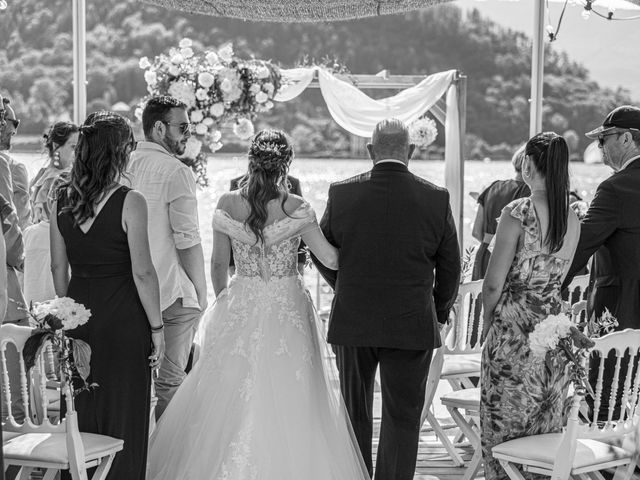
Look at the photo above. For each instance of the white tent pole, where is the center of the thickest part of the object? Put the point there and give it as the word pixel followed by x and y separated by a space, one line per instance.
pixel 537 69
pixel 79 61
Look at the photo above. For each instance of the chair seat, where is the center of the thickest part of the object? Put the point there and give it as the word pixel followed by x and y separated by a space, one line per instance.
pixel 467 399
pixel 52 447
pixel 541 451
pixel 461 365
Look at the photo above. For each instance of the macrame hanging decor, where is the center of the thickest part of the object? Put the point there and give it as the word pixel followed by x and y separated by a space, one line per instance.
pixel 296 10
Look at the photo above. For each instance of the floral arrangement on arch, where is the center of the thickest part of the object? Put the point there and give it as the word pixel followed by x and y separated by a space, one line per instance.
pixel 423 132
pixel 557 335
pixel 218 89
pixel 52 319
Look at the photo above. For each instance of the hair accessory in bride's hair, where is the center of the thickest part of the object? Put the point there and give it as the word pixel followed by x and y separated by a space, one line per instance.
pixel 270 156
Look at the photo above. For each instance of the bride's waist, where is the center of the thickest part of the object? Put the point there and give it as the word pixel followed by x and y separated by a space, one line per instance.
pixel 290 278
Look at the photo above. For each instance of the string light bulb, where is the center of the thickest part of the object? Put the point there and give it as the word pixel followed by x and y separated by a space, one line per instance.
pixel 3 4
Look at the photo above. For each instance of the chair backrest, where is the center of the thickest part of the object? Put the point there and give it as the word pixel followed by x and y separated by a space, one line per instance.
pixel 28 381
pixel 464 336
pixel 578 288
pixel 579 311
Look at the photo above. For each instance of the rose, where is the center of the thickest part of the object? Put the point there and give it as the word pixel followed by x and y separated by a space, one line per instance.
pixel 185 43
pixel 183 92
pixel 214 147
pixel 174 70
pixel 226 53
pixel 254 88
pixel 197 116
pixel 262 72
pixel 177 59
pixel 217 109
pixel 150 77
pixel 206 79
pixel 202 94
pixel 215 135
pixel 138 114
pixel 144 63
pixel 208 121
pixel 186 52
pixel 268 87
pixel 192 148
pixel 261 97
pixel 211 57
pixel 243 128
pixel 201 129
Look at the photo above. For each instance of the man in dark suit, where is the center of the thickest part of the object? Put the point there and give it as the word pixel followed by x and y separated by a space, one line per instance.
pixel 398 278
pixel 294 187
pixel 613 222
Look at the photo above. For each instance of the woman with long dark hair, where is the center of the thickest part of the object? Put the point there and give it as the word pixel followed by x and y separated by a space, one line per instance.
pixel 534 245
pixel 259 403
pixel 99 228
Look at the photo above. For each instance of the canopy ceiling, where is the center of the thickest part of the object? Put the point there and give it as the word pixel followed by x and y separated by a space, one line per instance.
pixel 296 10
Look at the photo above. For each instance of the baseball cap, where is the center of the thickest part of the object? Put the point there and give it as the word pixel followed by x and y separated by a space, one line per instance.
pixel 626 116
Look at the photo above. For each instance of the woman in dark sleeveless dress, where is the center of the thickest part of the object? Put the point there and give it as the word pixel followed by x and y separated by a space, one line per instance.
pixel 100 230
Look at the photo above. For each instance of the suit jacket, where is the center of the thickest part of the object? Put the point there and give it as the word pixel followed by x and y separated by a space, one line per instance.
pixel 613 221
pixel 399 259
pixel 294 187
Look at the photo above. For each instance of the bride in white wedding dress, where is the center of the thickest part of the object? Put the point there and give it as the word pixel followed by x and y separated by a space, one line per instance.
pixel 259 403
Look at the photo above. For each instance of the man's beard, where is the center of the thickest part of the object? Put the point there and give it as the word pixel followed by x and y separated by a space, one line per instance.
pixel 5 144
pixel 175 146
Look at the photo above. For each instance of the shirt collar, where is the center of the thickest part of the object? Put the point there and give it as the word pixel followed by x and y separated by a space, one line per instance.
pixel 390 160
pixel 146 145
pixel 628 162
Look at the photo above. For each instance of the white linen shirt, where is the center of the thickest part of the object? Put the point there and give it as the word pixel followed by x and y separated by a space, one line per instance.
pixel 169 186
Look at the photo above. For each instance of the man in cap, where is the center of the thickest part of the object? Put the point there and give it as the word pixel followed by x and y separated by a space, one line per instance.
pixel 613 222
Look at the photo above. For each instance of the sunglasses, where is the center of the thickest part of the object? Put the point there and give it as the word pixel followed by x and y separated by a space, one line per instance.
pixel 3 114
pixel 603 136
pixel 183 127
pixel 15 121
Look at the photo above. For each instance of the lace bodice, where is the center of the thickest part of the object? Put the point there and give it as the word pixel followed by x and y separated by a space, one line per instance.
pixel 277 256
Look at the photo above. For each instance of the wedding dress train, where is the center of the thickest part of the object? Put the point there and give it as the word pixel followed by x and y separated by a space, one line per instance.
pixel 260 403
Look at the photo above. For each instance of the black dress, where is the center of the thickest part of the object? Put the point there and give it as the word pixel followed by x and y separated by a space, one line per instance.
pixel 118 333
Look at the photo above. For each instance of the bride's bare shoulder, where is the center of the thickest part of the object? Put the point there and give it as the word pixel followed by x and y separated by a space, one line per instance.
pixel 293 202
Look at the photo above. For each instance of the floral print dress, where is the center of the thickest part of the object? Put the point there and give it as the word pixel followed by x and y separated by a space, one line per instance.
pixel 520 397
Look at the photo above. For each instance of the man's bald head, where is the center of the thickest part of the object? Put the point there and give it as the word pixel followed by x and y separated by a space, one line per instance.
pixel 390 140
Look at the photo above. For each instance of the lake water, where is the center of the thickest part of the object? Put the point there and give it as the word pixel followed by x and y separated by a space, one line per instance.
pixel 317 174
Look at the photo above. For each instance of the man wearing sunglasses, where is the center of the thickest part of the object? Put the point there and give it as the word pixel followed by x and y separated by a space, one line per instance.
pixel 613 222
pixel 19 175
pixel 169 187
pixel 6 181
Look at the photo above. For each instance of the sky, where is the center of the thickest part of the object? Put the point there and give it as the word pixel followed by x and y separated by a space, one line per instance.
pixel 609 49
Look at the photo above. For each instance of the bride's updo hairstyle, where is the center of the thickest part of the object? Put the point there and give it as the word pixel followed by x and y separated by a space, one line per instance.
pixel 550 154
pixel 270 155
pixel 101 156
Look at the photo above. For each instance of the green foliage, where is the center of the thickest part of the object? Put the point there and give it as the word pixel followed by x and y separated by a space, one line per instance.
pixel 36 65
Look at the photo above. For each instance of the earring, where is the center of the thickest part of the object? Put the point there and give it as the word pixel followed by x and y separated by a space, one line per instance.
pixel 526 173
pixel 56 159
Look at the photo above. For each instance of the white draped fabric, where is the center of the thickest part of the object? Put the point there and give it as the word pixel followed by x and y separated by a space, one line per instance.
pixel 358 113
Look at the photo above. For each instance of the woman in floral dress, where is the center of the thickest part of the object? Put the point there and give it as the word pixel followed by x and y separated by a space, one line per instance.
pixel 534 245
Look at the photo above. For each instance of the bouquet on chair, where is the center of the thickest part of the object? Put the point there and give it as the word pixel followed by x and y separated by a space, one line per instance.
pixel 52 319
pixel 557 335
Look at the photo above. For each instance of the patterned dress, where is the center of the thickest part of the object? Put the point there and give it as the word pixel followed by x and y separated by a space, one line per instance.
pixel 520 397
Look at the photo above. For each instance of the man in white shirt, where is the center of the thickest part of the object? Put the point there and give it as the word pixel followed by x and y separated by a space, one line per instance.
pixel 169 187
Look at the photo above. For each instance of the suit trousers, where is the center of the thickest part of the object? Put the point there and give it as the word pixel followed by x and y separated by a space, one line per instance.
pixel 180 325
pixel 403 378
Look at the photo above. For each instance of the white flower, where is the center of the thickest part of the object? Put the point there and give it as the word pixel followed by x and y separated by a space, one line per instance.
pixel 208 121
pixel 243 128
pixel 547 334
pixel 174 70
pixel 226 53
pixel 263 72
pixel 144 63
pixel 70 313
pixel 423 132
pixel 202 94
pixel 193 148
pixel 268 87
pixel 186 52
pixel 197 116
pixel 206 79
pixel 217 109
pixel 230 84
pixel 185 43
pixel 262 97
pixel 268 105
pixel 215 135
pixel 177 59
pixel 150 77
pixel 201 129
pixel 211 57
pixel 254 88
pixel 214 147
pixel 183 92
pixel 138 114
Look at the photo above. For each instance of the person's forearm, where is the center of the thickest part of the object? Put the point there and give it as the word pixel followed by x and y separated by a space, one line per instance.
pixel 149 293
pixel 192 260
pixel 219 276
pixel 490 297
pixel 60 275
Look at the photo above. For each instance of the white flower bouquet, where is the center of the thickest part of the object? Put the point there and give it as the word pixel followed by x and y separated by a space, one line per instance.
pixel 423 132
pixel 217 87
pixel 52 319
pixel 557 335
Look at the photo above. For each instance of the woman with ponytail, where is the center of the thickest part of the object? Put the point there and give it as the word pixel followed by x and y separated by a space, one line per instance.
pixel 534 246
pixel 99 229
pixel 259 400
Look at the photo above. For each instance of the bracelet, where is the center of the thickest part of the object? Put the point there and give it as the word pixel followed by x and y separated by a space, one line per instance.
pixel 158 329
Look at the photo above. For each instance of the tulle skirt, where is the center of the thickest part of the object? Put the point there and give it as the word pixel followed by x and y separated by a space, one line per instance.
pixel 263 400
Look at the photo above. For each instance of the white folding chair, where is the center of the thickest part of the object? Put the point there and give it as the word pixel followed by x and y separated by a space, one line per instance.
pixel 44 445
pixel 585 448
pixel 578 285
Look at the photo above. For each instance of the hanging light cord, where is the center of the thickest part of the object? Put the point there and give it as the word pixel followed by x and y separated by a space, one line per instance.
pixel 609 16
pixel 553 34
